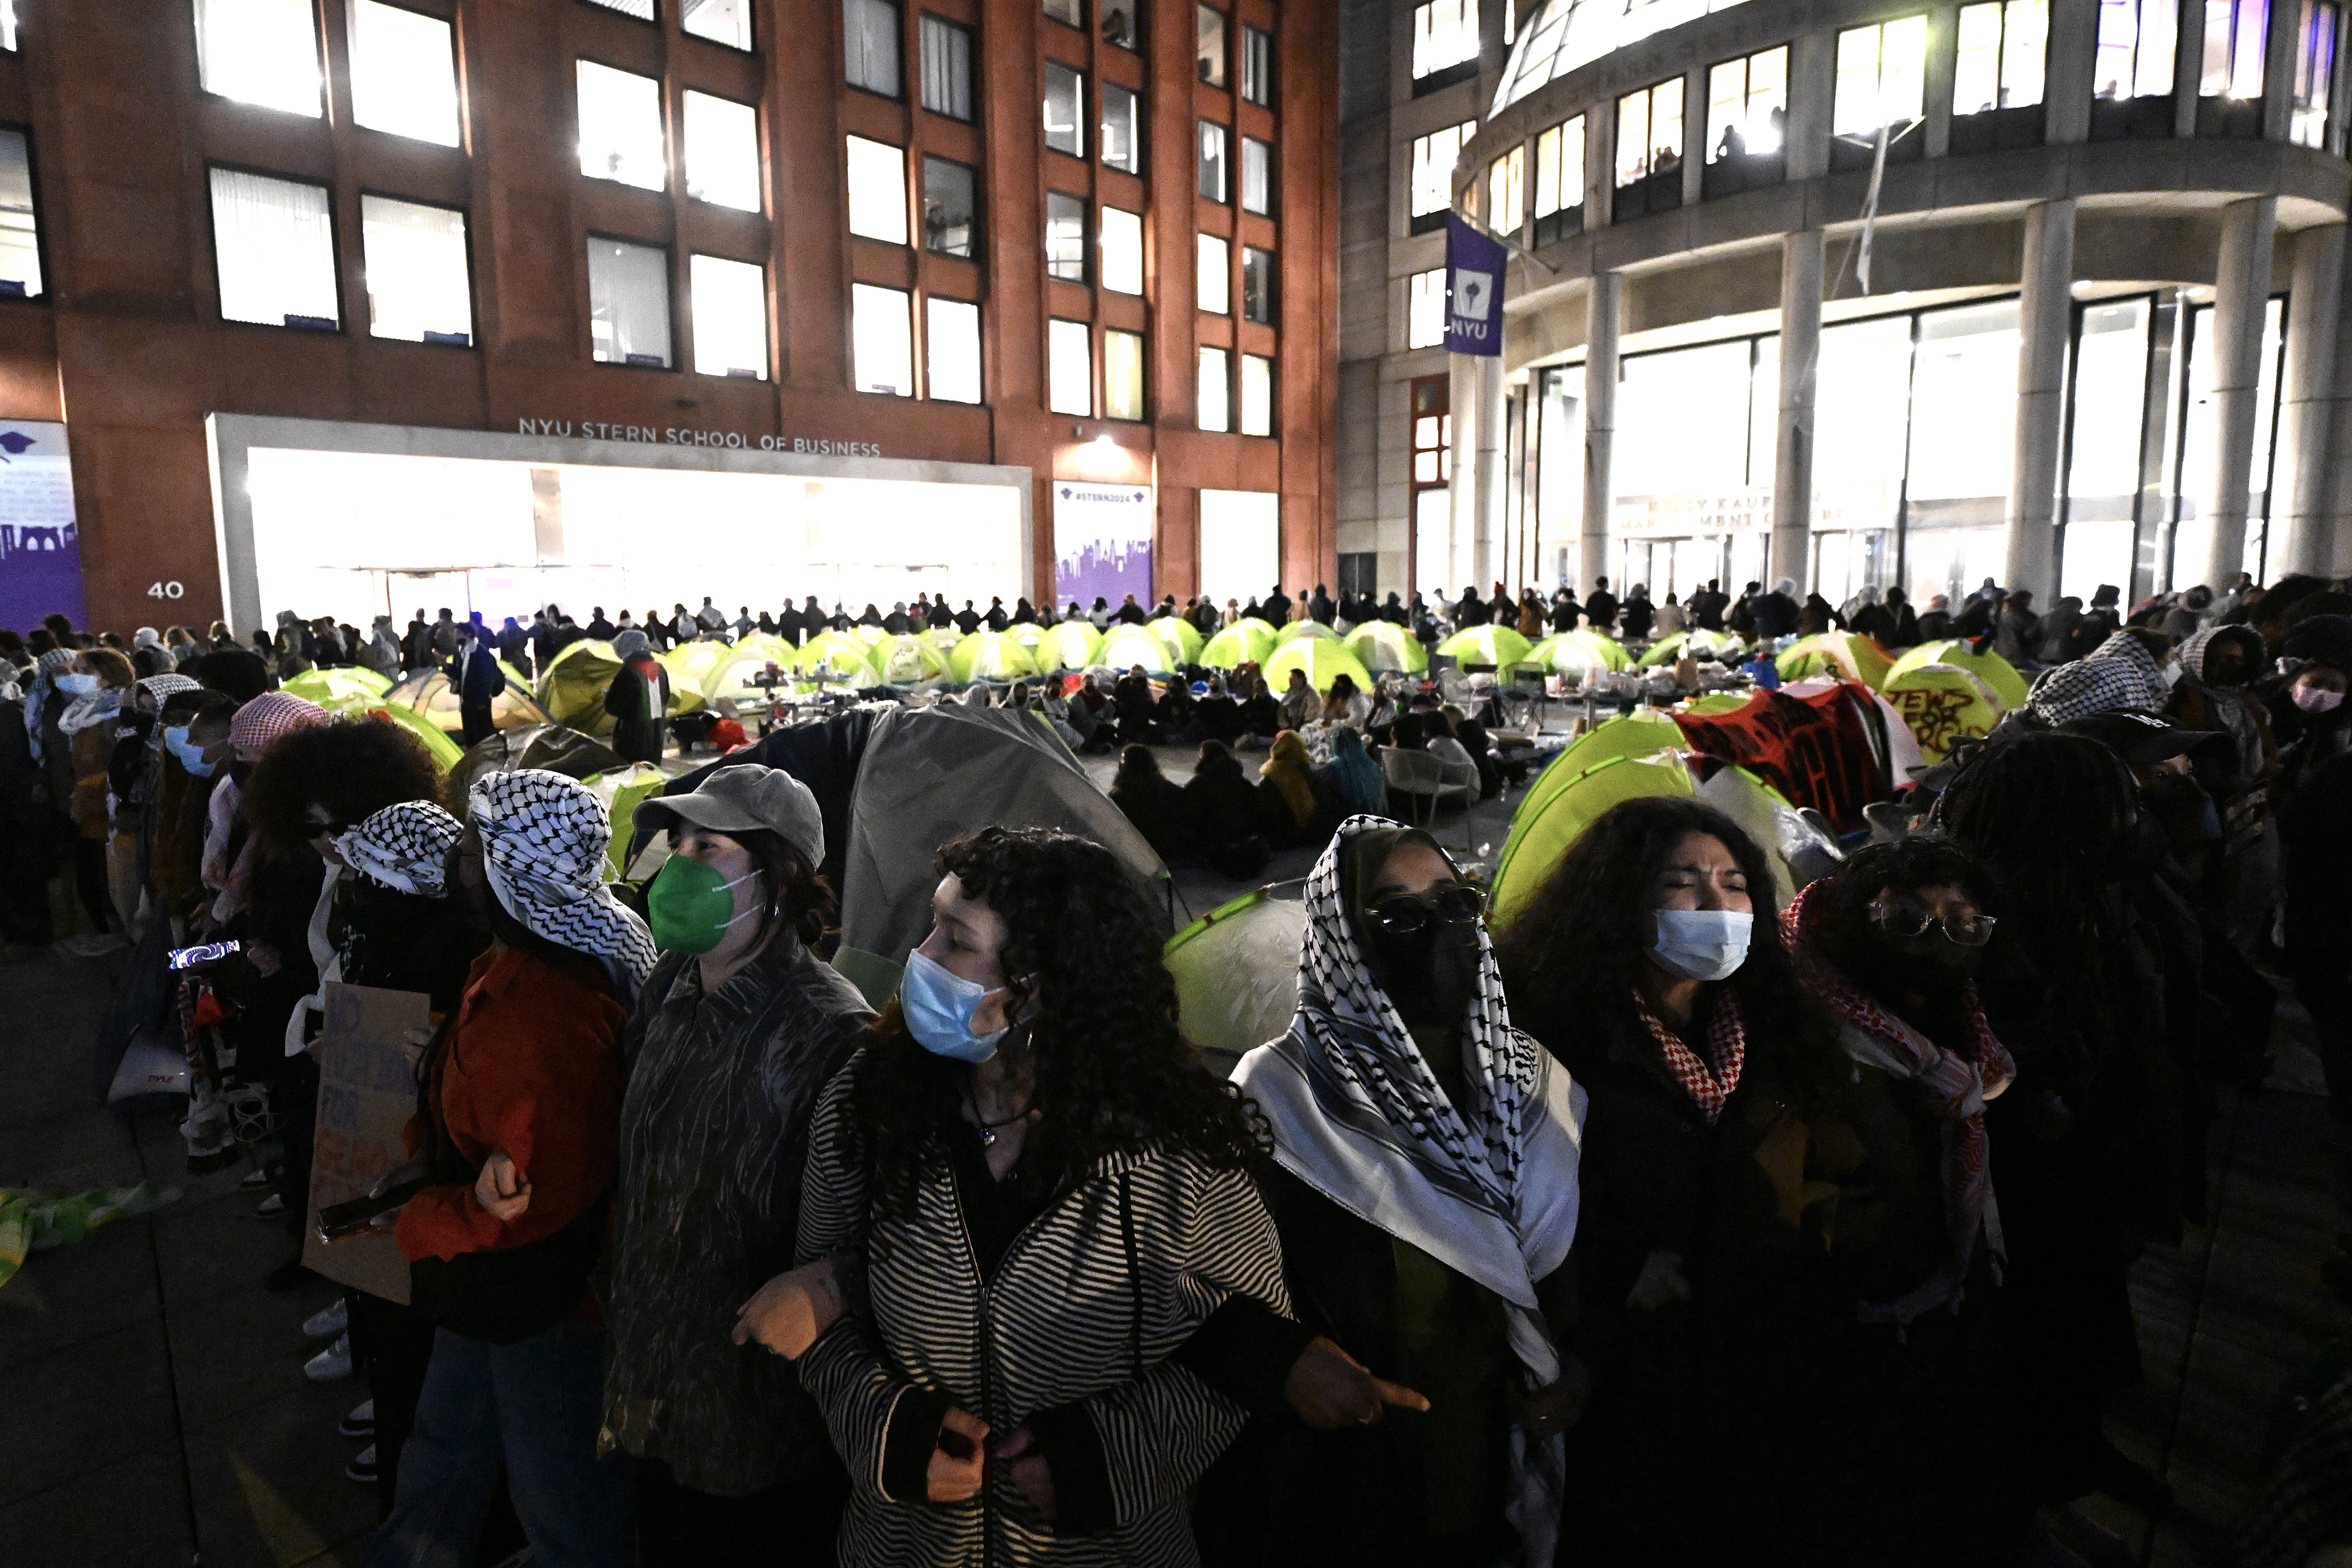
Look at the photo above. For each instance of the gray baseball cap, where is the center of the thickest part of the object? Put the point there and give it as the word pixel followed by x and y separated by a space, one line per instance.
pixel 744 796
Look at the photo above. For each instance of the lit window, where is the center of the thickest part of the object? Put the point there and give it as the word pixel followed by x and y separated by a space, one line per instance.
pixel 263 52
pixel 1070 368
pixel 1118 24
pixel 881 333
pixel 2315 65
pixel 1432 187
pixel 1215 290
pixel 869 42
pixel 1122 251
pixel 1507 191
pixel 1065 12
pixel 1066 236
pixel 2002 46
pixel 1257 395
pixel 1444 36
pixel 1257 176
pixel 731 317
pixel 1258 66
pixel 415 259
pixel 946 68
pixel 1122 129
pixel 621 128
pixel 8 24
pixel 950 207
pixel 1649 131
pixel 1122 376
pixel 952 342
pixel 1424 310
pixel 878 190
pixel 276 249
pixel 1213 180
pixel 727 22
pixel 1746 106
pixel 722 151
pixel 20 246
pixel 2137 42
pixel 628 303
pixel 404 76
pixel 1882 78
pixel 1209 44
pixel 1215 392
pixel 1065 110
pixel 2234 48
pixel 1257 285
pixel 1560 180
pixel 642 10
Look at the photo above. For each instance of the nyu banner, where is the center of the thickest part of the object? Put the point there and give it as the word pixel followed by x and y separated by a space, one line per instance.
pixel 1102 542
pixel 40 550
pixel 1474 284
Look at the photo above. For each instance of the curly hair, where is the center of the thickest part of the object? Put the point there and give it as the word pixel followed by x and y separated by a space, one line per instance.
pixel 353 769
pixel 800 900
pixel 1112 1071
pixel 1571 958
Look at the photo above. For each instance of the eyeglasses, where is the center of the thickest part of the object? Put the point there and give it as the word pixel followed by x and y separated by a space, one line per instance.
pixel 1402 914
pixel 328 829
pixel 1905 922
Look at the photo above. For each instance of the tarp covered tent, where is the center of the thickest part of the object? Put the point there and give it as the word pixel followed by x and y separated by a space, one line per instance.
pixel 1236 972
pixel 1385 647
pixel 928 774
pixel 1499 646
pixel 1849 656
pixel 572 691
pixel 1124 648
pixel 1070 645
pixel 1323 659
pixel 428 693
pixel 1247 641
pixel 2000 676
pixel 553 747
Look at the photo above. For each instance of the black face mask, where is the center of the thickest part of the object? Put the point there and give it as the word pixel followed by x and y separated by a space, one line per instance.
pixel 1431 974
pixel 240 770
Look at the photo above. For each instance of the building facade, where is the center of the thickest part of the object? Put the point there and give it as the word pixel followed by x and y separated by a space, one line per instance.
pixel 344 306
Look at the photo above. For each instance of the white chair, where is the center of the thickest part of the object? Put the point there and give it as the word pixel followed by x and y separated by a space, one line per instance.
pixel 1424 781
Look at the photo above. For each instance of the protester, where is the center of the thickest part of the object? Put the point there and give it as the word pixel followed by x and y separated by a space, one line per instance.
pixel 1296 812
pixel 1351 778
pixel 639 700
pixel 90 694
pixel 473 673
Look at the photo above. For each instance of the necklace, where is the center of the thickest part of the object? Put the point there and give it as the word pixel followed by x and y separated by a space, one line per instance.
pixel 987 1128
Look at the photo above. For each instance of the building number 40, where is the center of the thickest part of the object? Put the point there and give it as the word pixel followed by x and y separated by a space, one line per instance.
pixel 164 590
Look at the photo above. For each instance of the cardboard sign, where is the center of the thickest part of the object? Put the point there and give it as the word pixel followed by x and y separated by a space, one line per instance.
pixel 367 1092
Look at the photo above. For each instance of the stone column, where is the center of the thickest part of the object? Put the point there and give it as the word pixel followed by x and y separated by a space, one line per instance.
pixel 1491 437
pixel 2045 322
pixel 2240 288
pixel 1792 447
pixel 2067 86
pixel 1604 308
pixel 2300 530
pixel 1461 485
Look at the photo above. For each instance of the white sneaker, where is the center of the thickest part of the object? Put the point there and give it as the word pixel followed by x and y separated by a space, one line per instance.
pixel 361 1422
pixel 327 1321
pixel 332 1364
pixel 363 1466
pixel 272 1207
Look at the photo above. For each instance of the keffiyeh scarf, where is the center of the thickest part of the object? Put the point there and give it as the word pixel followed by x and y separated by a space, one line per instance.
pixel 1709 1083
pixel 404 847
pixel 1489 1188
pixel 269 715
pixel 46 670
pixel 543 841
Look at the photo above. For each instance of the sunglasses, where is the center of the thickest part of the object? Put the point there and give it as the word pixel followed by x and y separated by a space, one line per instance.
pixel 1906 922
pixel 1403 914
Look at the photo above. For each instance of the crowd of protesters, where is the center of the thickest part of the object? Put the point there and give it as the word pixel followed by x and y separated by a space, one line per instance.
pixel 1668 1225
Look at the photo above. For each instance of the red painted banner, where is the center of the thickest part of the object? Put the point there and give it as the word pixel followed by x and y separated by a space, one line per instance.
pixel 1816 750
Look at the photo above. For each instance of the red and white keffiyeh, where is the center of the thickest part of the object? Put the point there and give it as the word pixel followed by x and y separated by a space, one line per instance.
pixel 270 715
pixel 1709 1083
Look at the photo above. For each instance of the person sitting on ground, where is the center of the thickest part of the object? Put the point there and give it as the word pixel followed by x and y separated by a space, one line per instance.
pixel 1351 777
pixel 1346 703
pixel 1300 703
pixel 1137 703
pixel 1159 808
pixel 1261 714
pixel 1298 811
pixel 1177 712
pixel 1218 715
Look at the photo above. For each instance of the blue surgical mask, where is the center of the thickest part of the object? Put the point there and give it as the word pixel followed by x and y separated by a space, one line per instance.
pixel 192 756
pixel 1702 944
pixel 938 1008
pixel 73 683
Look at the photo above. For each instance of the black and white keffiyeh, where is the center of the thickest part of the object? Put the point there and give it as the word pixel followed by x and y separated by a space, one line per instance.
pixel 404 847
pixel 2065 693
pixel 543 841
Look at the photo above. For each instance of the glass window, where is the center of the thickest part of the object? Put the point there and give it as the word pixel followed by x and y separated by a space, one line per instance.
pixel 1216 392
pixel 1122 251
pixel 1431 181
pixel 7 25
pixel 1067 12
pixel 404 76
pixel 1506 192
pixel 1122 376
pixel 731 317
pixel 950 207
pixel 1258 66
pixel 1445 33
pixel 1425 310
pixel 1065 110
pixel 2315 67
pixel 275 245
pixel 881 334
pixel 722 151
pixel 1257 176
pixel 1118 24
pixel 1070 368
pixel 2107 406
pixel 628 302
pixel 1862 380
pixel 1122 128
pixel 415 256
pixel 1962 446
pixel 952 340
pixel 1559 178
pixel 1209 44
pixel 2199 442
pixel 869 41
pixel 1257 285
pixel 2234 48
pixel 878 190
pixel 621 128
pixel 1213 178
pixel 2002 46
pixel 1747 105
pixel 1066 236
pixel 727 22
pixel 2137 40
pixel 262 52
pixel 1649 131
pixel 1213 289
pixel 1882 77
pixel 946 68
pixel 20 245
pixel 1257 395
pixel 642 10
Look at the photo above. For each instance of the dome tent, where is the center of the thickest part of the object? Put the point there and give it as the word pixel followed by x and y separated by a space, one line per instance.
pixel 1183 639
pixel 1323 659
pixel 1499 646
pixel 1385 647
pixel 992 655
pixel 1999 676
pixel 1124 648
pixel 1247 641
pixel 1236 972
pixel 1071 644
pixel 428 694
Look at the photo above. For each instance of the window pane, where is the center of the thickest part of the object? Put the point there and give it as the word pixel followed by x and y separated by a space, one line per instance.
pixel 642 10
pixel 1122 251
pixel 946 68
pixel 1209 37
pixel 953 342
pixel 1118 24
pixel 1065 110
pixel 1065 12
pixel 878 190
pixel 628 302
pixel 20 251
pixel 1432 166
pixel 1122 128
pixel 2024 48
pixel 1258 66
pixel 403 78
pixel 621 128
pixel 1213 160
pixel 2104 447
pixel 722 151
pixel 731 317
pixel 277 250
pixel 725 22
pixel 2315 69
pixel 1445 33
pixel 1902 70
pixel 1425 315
pixel 1215 396
pixel 8 24
pixel 1070 368
pixel 1507 191
pixel 1257 176
pixel 1632 137
pixel 1122 376
pixel 415 262
pixel 951 210
pixel 1066 236
pixel 1976 81
pixel 1257 395
pixel 881 331
pixel 1257 285
pixel 260 51
pixel 1214 289
pixel 869 41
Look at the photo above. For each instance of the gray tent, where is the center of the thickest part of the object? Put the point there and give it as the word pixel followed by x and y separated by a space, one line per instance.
pixel 930 774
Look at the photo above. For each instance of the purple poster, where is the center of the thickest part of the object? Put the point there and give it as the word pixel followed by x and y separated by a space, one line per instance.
pixel 1102 542
pixel 40 550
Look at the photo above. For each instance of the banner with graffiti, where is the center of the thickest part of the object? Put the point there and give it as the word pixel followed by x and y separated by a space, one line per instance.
pixel 1816 750
pixel 40 547
pixel 1943 705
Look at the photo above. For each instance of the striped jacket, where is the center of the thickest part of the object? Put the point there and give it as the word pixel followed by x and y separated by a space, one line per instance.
pixel 1082 1313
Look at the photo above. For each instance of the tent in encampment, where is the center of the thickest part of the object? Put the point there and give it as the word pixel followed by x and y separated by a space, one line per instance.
pixel 1385 647
pixel 1184 639
pixel 428 693
pixel 1495 646
pixel 1849 656
pixel 1069 644
pixel 1323 659
pixel 345 683
pixel 571 690
pixel 553 747
pixel 1247 641
pixel 1236 972
pixel 1999 676
pixel 992 655
pixel 1124 648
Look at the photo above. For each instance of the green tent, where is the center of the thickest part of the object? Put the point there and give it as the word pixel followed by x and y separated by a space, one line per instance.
pixel 572 691
pixel 1723 646
pixel 1548 821
pixel 1247 641
pixel 1124 648
pixel 428 693
pixel 689 666
pixel 1500 647
pixel 1071 644
pixel 444 748
pixel 867 633
pixel 1184 639
pixel 1236 971
pixel 992 655
pixel 1385 647
pixel 907 661
pixel 1323 659
pixel 621 790
pixel 328 686
pixel 2000 676
pixel 735 678
pixel 839 656
pixel 1849 656
pixel 1577 653
pixel 1306 628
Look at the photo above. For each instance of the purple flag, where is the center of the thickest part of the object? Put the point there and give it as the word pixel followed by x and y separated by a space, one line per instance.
pixel 1474 285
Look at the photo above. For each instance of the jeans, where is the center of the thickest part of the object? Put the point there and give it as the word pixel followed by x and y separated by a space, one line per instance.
pixel 534 1407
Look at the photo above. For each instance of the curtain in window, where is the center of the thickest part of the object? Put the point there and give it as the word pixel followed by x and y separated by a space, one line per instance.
pixel 628 302
pixel 276 248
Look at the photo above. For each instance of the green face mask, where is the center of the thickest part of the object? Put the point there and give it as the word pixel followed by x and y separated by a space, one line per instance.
pixel 689 907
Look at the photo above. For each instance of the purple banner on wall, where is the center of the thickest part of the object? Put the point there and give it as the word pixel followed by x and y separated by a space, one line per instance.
pixel 1474 272
pixel 40 548
pixel 1102 542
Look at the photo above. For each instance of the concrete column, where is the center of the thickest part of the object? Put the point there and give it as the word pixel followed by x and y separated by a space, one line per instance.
pixel 1492 438
pixel 1792 447
pixel 2045 322
pixel 1603 311
pixel 1695 146
pixel 2299 501
pixel 1943 65
pixel 2187 69
pixel 1461 485
pixel 2278 69
pixel 1812 79
pixel 2073 57
pixel 2240 288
